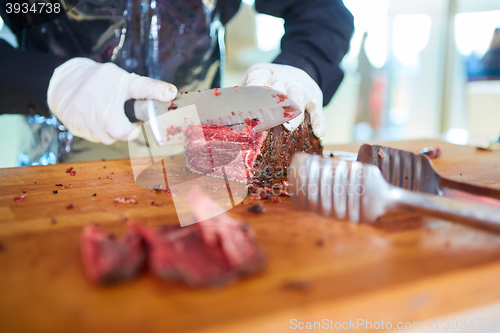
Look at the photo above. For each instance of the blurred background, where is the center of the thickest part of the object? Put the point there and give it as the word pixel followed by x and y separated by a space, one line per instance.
pixel 416 69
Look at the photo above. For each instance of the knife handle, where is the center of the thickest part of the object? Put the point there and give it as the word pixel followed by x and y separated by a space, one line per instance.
pixel 136 110
pixel 130 111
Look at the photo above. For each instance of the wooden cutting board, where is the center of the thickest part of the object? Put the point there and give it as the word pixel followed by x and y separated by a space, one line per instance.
pixel 406 268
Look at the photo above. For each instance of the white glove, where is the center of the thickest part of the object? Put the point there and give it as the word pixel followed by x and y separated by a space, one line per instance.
pixel 88 97
pixel 297 85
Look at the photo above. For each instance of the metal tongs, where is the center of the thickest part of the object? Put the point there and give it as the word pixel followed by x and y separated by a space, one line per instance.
pixel 415 172
pixel 357 192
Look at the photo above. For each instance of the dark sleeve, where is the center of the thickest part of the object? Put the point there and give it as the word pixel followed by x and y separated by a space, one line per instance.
pixel 317 36
pixel 24 79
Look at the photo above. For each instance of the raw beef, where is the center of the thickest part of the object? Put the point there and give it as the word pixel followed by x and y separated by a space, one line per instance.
pixel 288 111
pixel 208 253
pixel 108 259
pixel 215 150
pixel 235 239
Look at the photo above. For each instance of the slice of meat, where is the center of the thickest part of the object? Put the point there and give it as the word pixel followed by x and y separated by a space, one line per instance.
pixel 219 150
pixel 179 254
pixel 209 253
pixel 108 259
pixel 265 156
pixel 236 239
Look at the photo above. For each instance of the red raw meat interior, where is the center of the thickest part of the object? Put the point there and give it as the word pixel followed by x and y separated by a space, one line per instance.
pixel 288 111
pixel 208 253
pixel 211 147
pixel 280 97
pixel 265 156
pixel 107 259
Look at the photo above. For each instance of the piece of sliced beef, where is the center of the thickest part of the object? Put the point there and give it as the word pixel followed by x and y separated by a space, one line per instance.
pixel 236 239
pixel 215 150
pixel 264 156
pixel 208 253
pixel 109 259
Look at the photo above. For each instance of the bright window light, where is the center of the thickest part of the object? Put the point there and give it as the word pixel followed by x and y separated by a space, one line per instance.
pixel 458 136
pixel 270 29
pixel 473 31
pixel 1 23
pixel 410 37
pixel 376 44
pixel 399 116
pixel 369 16
pixel 249 2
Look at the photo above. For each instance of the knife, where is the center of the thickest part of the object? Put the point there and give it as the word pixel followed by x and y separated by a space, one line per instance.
pixel 224 106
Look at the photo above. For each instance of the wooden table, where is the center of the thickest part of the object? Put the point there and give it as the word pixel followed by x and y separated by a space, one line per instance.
pixel 406 268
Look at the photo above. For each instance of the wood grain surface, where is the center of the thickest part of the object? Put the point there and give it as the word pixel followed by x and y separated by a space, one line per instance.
pixel 405 268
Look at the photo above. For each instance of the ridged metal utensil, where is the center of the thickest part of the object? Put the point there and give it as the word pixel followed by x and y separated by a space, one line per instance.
pixel 415 172
pixel 357 192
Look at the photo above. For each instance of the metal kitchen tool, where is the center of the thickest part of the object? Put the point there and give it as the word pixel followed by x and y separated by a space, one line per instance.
pixel 225 106
pixel 357 192
pixel 415 172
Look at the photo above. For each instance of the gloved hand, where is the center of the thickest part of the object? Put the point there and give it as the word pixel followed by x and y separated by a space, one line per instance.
pixel 297 85
pixel 88 97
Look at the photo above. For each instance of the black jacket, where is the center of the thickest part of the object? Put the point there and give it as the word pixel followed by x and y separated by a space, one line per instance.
pixel 317 36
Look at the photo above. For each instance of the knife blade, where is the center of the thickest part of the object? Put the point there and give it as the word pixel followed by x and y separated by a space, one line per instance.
pixel 224 106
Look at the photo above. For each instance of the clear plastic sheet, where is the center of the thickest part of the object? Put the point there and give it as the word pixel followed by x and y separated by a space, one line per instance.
pixel 48 144
pixel 164 168
pixel 177 41
pixel 171 40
